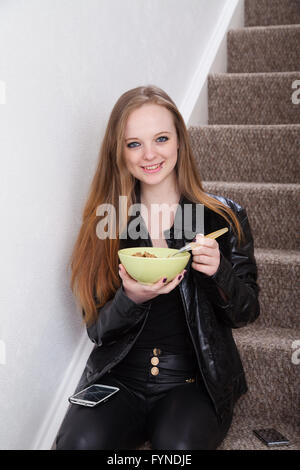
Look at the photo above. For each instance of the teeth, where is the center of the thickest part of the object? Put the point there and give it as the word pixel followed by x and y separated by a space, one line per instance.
pixel 151 167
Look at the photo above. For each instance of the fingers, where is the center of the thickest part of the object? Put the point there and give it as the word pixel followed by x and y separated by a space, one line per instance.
pixel 205 242
pixel 168 286
pixel 122 271
pixel 161 286
pixel 207 269
pixel 203 259
pixel 207 247
pixel 124 274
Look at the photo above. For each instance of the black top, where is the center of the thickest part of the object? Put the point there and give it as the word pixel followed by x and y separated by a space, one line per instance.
pixel 166 325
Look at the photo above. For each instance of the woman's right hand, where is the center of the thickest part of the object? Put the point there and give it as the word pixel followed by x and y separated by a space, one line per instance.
pixel 140 293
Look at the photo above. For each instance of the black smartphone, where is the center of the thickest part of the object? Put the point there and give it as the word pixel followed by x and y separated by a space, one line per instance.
pixel 271 437
pixel 93 395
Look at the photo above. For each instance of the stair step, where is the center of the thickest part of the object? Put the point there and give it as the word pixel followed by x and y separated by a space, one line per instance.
pixel 278 279
pixel 264 49
pixel 268 206
pixel 257 98
pixel 266 354
pixel 241 437
pixel 247 153
pixel 271 12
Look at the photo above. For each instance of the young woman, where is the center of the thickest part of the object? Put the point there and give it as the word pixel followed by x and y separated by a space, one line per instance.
pixel 167 346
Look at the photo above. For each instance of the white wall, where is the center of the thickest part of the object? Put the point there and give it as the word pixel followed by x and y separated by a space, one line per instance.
pixel 213 60
pixel 63 64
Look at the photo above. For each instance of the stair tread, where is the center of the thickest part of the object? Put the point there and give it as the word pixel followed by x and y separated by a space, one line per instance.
pixel 276 27
pixel 240 435
pixel 271 12
pixel 248 77
pixel 266 337
pixel 267 153
pixel 263 49
pixel 277 255
pixel 245 185
pixel 264 203
pixel 259 127
pixel 269 356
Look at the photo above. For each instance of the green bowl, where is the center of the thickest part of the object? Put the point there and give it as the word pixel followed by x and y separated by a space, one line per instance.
pixel 150 270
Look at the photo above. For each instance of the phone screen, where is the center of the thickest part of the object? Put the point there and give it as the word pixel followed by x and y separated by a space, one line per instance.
pixel 93 394
pixel 271 436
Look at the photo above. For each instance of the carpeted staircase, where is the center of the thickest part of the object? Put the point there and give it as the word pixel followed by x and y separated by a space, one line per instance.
pixel 249 152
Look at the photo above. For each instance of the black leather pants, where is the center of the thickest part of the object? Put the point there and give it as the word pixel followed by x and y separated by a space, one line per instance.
pixel 161 399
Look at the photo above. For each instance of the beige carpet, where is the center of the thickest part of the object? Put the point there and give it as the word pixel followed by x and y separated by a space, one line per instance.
pixel 249 152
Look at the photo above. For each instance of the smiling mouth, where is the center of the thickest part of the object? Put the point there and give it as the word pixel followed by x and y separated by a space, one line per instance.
pixel 153 167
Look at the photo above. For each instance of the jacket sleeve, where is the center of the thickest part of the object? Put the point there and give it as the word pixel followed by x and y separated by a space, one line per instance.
pixel 237 279
pixel 116 317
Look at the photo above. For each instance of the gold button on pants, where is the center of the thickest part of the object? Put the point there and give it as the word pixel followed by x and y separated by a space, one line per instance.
pixel 156 351
pixel 154 370
pixel 154 361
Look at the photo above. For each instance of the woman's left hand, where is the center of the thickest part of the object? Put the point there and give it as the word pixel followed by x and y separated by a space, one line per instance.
pixel 206 257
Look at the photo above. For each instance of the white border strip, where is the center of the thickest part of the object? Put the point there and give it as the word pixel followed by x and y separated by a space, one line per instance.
pixel 2 92
pixel 50 426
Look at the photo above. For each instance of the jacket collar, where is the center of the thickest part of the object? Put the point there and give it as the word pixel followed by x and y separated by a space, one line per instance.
pixel 188 220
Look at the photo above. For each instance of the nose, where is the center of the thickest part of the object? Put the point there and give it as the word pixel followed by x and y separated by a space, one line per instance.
pixel 149 152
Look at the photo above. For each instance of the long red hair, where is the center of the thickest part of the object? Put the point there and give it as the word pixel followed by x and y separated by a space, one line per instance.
pixel 94 261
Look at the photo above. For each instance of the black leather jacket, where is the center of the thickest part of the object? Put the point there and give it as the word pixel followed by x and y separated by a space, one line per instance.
pixel 209 318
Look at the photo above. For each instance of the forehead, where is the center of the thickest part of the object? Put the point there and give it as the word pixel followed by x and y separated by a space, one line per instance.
pixel 149 119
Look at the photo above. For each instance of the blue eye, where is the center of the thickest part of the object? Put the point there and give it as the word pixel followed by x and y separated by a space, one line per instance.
pixel 130 145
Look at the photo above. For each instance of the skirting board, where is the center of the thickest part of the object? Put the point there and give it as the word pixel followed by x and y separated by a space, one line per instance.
pixel 53 419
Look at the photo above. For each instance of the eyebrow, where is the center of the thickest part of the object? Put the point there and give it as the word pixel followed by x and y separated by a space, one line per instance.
pixel 162 132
